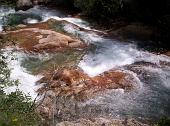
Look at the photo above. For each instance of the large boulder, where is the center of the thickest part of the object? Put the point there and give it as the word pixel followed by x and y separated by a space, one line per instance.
pixel 35 2
pixel 69 3
pixel 71 87
pixel 24 4
pixel 75 83
pixel 40 40
pixel 46 36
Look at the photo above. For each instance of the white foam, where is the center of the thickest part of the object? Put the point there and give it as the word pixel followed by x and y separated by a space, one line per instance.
pixel 31 21
pixel 162 73
pixel 102 66
pixel 1 28
pixel 79 22
pixel 3 12
pixel 27 80
pixel 47 14
pixel 108 56
pixel 111 54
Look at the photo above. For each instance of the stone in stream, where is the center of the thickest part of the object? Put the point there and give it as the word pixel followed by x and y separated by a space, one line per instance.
pixel 102 122
pixel 42 37
pixel 75 83
pixel 71 87
pixel 24 4
pixel 134 31
pixel 38 40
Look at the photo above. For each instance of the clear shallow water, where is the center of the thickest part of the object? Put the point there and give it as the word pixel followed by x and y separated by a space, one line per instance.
pixel 150 100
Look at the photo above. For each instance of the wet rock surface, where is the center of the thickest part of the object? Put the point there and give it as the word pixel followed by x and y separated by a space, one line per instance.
pixel 71 97
pixel 46 36
pixel 134 31
pixel 69 89
pixel 65 111
pixel 102 122
pixel 37 40
pixel 76 84
pixel 24 4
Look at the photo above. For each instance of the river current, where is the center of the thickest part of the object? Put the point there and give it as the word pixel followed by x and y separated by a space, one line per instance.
pixel 151 98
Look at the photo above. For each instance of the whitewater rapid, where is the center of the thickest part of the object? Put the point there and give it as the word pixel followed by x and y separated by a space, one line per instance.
pixel 27 81
pixel 152 97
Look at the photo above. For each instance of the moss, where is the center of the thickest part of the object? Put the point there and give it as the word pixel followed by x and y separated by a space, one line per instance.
pixel 11 3
pixel 57 26
pixel 16 19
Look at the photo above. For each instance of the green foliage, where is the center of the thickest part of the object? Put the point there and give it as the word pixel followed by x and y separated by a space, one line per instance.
pixel 100 8
pixel 68 3
pixel 5 74
pixel 146 10
pixel 16 109
pixel 163 122
pixel 163 29
pixel 16 19
pixel 11 3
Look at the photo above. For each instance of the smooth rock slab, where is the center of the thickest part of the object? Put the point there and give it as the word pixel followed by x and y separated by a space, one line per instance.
pixel 38 40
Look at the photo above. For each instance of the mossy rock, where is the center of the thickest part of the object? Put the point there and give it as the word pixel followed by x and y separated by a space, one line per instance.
pixel 18 18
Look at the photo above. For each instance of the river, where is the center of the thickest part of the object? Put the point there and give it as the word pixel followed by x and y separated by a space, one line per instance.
pixel 151 98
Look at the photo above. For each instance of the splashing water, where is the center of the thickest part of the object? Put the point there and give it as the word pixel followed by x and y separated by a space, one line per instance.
pixel 150 100
pixel 3 12
pixel 26 80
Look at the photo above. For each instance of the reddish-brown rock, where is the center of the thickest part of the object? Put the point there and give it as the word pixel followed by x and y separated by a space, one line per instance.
pixel 35 39
pixel 73 82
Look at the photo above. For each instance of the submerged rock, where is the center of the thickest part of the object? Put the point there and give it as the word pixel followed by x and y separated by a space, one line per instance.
pixel 41 63
pixel 24 4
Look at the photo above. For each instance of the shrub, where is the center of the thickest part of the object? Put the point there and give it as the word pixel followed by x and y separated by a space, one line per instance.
pixel 8 2
pixel 163 122
pixel 100 8
pixel 16 109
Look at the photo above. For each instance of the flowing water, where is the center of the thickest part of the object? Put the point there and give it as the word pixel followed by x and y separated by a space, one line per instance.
pixel 151 100
pixel 26 80
pixel 3 12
